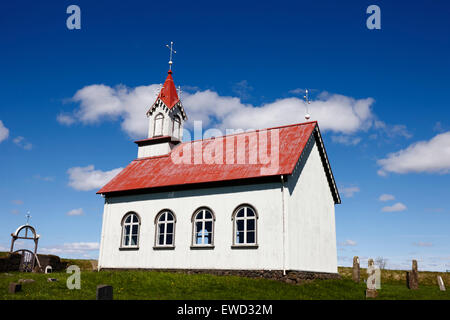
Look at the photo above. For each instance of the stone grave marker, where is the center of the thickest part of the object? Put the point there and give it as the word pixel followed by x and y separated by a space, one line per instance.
pixel 441 283
pixel 371 291
pixel 104 292
pixel 356 270
pixel 412 277
pixel 14 287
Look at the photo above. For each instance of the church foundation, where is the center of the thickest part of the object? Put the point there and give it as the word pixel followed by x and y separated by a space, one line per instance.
pixel 291 276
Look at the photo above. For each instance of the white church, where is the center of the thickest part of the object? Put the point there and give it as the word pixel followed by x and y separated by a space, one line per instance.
pixel 257 202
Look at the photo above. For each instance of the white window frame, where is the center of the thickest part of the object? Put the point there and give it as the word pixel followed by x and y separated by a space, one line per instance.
pixel 245 218
pixel 130 235
pixel 176 127
pixel 158 117
pixel 165 223
pixel 203 220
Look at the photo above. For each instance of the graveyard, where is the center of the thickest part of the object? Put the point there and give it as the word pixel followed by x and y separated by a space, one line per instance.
pixel 154 285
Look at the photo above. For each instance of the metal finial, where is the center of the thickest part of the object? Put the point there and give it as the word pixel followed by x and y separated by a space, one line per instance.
pixel 306 97
pixel 28 216
pixel 171 52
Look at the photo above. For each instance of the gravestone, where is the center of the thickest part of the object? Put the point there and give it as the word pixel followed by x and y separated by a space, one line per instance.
pixel 412 277
pixel 26 281
pixel 356 270
pixel 14 287
pixel 441 283
pixel 104 292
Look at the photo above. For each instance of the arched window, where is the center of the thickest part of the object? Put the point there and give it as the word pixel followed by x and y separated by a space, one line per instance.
pixel 130 230
pixel 165 229
pixel 203 228
pixel 158 127
pixel 176 127
pixel 245 226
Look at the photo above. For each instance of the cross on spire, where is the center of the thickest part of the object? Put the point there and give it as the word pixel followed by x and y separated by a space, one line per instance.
pixel 171 52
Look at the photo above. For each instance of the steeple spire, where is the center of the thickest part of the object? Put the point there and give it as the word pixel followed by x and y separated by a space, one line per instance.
pixel 168 93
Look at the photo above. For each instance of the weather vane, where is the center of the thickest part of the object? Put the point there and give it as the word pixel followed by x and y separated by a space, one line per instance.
pixel 28 217
pixel 306 97
pixel 171 52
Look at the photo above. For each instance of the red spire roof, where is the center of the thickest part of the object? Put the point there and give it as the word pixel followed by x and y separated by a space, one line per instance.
pixel 168 92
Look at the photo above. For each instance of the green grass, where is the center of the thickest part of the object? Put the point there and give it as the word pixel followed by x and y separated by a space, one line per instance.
pixel 165 285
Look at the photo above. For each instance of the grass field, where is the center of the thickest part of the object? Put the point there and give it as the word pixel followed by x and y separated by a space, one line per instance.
pixel 164 285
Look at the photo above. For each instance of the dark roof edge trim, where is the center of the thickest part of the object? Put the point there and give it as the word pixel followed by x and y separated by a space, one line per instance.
pixel 326 165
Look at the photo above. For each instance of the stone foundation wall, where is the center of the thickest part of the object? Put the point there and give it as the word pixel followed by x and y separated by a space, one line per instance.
pixel 291 276
pixel 51 260
pixel 11 262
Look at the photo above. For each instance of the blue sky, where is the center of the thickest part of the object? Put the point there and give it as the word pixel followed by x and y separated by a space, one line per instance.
pixel 74 100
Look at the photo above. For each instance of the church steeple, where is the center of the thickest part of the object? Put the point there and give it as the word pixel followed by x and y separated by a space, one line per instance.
pixel 166 115
pixel 166 118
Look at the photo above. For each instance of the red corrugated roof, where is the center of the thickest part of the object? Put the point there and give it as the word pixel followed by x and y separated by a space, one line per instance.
pixel 161 171
pixel 168 92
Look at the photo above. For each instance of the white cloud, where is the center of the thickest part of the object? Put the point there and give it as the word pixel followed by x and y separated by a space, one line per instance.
pixel 65 119
pixel 100 102
pixel 76 212
pixel 4 132
pixel 422 244
pixel 47 179
pixel 338 113
pixel 347 140
pixel 394 208
pixel 431 156
pixel 87 178
pixel 298 91
pixel 392 130
pixel 348 192
pixel 348 243
pixel 242 89
pixel 74 249
pixel 21 142
pixel 386 197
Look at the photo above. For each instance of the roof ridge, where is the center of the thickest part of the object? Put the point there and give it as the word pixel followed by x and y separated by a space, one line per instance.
pixel 253 130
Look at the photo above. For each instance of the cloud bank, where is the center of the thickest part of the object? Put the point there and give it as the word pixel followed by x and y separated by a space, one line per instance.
pixel 386 197
pixel 87 178
pixel 431 156
pixel 337 113
pixel 394 208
